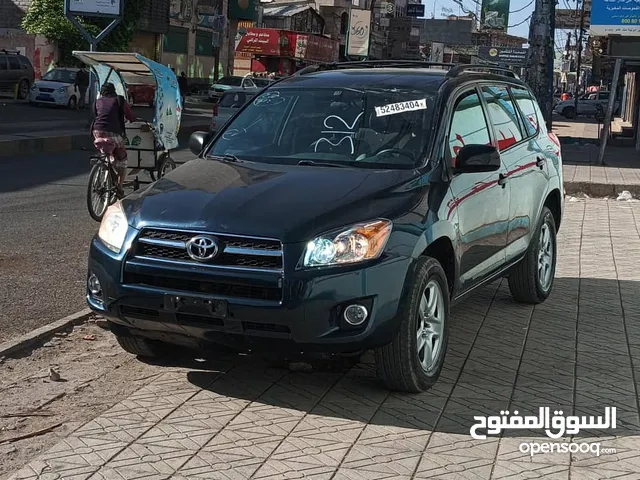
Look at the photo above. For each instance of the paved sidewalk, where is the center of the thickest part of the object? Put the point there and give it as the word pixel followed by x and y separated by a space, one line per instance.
pixel 579 352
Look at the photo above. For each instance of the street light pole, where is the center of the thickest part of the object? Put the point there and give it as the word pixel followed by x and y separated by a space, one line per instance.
pixel 579 61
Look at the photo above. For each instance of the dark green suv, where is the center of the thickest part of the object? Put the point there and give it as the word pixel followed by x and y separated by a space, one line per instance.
pixel 16 71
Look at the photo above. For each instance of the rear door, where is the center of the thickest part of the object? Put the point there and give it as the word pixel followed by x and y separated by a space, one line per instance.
pixel 527 169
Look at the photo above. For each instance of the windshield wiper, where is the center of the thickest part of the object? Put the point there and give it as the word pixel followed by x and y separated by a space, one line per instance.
pixel 322 164
pixel 228 157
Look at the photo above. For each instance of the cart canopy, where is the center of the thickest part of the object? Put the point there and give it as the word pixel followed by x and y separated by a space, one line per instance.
pixel 114 67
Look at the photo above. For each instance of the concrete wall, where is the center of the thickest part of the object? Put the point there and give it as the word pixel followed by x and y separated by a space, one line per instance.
pixel 12 11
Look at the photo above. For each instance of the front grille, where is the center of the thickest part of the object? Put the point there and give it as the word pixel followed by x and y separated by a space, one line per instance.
pixel 46 90
pixel 236 251
pixel 226 288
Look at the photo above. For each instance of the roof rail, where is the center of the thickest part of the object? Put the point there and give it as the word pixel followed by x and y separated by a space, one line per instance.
pixel 460 69
pixel 15 52
pixel 373 64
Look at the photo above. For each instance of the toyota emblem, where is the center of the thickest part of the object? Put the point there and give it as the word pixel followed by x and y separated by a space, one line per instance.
pixel 202 248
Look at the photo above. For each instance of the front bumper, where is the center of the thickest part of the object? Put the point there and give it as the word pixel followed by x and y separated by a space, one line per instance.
pixel 48 99
pixel 306 318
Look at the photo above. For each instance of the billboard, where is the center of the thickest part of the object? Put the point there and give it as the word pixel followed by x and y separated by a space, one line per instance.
pixel 511 56
pixel 495 14
pixel 111 8
pixel 415 10
pixel 614 17
pixel 437 53
pixel 359 32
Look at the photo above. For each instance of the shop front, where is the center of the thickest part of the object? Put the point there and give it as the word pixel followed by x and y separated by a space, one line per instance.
pixel 283 52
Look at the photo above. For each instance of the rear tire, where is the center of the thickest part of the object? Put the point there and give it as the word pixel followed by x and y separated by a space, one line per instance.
pixel 403 364
pixel 166 165
pixel 140 346
pixel 569 113
pixel 100 177
pixel 531 280
pixel 23 89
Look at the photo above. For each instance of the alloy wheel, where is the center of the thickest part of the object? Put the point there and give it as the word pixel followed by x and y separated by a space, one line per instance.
pixel 431 318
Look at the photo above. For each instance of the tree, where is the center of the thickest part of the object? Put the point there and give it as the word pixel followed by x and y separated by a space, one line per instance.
pixel 46 17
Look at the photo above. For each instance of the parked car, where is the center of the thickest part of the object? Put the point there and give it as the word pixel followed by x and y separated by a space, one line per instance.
pixel 340 210
pixel 16 70
pixel 57 88
pixel 230 82
pixel 587 104
pixel 230 102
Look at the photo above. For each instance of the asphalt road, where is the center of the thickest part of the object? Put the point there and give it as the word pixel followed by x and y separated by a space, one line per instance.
pixel 45 231
pixel 21 118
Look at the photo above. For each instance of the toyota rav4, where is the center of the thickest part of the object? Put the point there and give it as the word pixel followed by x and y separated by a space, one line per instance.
pixel 342 209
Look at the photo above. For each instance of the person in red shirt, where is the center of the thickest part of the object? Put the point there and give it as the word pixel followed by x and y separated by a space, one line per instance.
pixel 109 130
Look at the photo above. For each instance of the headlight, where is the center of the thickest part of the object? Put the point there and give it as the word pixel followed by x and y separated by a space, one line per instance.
pixel 360 242
pixel 62 89
pixel 113 228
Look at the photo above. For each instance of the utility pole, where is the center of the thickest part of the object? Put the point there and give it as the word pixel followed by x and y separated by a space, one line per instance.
pixel 539 73
pixel 579 60
pixel 372 7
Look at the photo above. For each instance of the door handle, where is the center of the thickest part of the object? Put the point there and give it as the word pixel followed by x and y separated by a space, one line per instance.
pixel 540 161
pixel 502 180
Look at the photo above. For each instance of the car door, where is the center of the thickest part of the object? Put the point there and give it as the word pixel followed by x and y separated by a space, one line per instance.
pixel 248 84
pixel 480 201
pixel 513 115
pixel 15 70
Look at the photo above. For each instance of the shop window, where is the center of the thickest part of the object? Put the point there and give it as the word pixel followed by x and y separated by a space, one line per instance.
pixel 204 44
pixel 176 40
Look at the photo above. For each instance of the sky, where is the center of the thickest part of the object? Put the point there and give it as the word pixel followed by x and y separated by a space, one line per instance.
pixel 520 13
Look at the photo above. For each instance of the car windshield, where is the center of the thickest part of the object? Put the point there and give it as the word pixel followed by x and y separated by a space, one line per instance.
pixel 60 75
pixel 231 81
pixel 368 128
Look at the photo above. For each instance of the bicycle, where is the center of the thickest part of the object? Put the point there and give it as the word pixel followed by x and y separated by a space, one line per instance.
pixel 103 190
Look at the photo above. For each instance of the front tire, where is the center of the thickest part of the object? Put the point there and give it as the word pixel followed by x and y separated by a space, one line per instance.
pixel 140 346
pixel 569 113
pixel 100 191
pixel 532 278
pixel 412 362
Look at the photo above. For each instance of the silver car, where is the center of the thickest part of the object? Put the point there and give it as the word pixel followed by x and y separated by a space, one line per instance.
pixel 228 105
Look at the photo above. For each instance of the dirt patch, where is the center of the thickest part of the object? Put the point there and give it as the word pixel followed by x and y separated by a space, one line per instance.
pixel 59 387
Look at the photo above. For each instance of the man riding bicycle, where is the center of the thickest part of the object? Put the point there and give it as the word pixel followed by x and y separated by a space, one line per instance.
pixel 108 128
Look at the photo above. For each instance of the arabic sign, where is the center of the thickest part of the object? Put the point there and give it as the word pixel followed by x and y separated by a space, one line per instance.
pixel 112 8
pixel 415 10
pixel 570 425
pixel 615 17
pixel 358 39
pixel 511 56
pixel 495 14
pixel 260 41
pixel 320 49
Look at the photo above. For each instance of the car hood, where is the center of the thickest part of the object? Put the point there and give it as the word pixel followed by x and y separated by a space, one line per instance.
pixel 291 203
pixel 54 85
pixel 222 87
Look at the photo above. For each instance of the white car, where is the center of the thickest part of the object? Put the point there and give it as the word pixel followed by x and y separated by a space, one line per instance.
pixel 56 88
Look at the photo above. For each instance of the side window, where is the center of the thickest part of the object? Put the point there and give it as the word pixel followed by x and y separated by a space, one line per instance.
pixel 468 124
pixel 25 62
pixel 14 63
pixel 249 83
pixel 3 63
pixel 503 115
pixel 604 95
pixel 528 109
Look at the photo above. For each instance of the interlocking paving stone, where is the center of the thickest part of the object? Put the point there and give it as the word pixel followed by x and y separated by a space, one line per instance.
pixel 578 352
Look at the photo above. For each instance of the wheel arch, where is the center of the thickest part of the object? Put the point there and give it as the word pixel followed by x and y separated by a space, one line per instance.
pixel 553 202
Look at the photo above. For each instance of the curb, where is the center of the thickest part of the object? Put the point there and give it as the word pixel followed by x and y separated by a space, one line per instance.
pixel 36 336
pixel 600 190
pixel 64 143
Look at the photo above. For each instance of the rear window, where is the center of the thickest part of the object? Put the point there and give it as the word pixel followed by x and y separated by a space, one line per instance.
pixel 236 99
pixel 231 81
pixel 366 127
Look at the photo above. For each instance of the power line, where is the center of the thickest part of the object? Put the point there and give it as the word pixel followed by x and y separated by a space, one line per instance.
pixel 525 7
pixel 518 24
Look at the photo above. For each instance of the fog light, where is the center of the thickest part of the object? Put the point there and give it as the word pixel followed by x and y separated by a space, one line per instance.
pixel 93 284
pixel 355 314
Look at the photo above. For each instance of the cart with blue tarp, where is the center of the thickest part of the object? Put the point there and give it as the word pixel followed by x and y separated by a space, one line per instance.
pixel 149 144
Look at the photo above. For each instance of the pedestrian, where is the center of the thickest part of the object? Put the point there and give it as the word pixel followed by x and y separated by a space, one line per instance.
pixel 81 85
pixel 183 83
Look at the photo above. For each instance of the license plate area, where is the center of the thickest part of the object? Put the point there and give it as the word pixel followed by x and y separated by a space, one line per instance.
pixel 196 305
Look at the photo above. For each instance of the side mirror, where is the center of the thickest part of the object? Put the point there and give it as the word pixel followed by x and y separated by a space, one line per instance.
pixel 197 142
pixel 477 159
